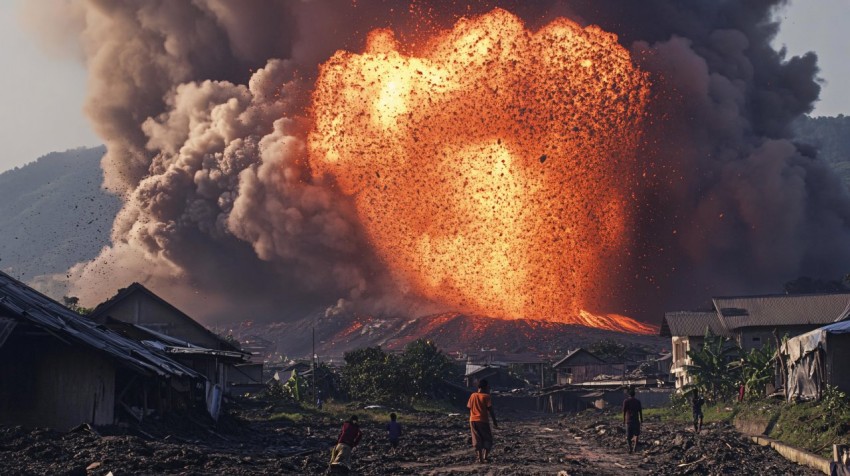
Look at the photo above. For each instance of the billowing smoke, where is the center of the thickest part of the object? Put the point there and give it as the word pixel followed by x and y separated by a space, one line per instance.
pixel 204 108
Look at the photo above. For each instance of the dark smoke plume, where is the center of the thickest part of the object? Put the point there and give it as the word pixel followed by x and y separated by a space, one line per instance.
pixel 203 107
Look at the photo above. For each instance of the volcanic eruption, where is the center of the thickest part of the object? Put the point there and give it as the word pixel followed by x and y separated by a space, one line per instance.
pixel 484 167
pixel 572 161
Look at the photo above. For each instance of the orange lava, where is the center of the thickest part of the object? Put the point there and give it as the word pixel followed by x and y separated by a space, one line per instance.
pixel 489 167
pixel 614 322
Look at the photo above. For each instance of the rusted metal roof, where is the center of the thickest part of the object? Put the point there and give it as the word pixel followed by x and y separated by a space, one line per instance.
pixel 692 324
pixel 782 310
pixel 24 304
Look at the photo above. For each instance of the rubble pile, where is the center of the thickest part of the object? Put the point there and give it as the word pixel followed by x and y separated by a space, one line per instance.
pixel 675 449
pixel 88 451
pixel 257 442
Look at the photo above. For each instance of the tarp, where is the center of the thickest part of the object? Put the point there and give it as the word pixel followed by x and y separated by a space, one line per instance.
pixel 213 397
pixel 803 344
pixel 804 357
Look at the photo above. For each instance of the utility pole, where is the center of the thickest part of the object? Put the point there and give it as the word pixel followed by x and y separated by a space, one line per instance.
pixel 313 365
pixel 542 381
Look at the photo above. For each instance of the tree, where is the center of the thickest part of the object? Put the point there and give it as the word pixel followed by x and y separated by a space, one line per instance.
pixel 425 366
pixel 608 349
pixel 292 387
pixel 715 367
pixel 757 370
pixel 807 285
pixel 73 303
pixel 372 374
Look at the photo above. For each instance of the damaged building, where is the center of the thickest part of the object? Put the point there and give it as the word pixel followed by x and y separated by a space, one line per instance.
pixel 815 360
pixel 139 314
pixel 59 369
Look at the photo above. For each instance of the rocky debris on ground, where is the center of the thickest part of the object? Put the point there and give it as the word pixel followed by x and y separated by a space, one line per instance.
pixel 676 449
pixel 250 442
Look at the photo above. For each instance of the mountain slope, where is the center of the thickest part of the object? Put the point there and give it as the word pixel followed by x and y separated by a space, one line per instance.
pixel 54 213
pixel 450 331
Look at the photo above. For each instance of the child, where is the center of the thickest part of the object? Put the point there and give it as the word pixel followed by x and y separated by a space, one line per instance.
pixel 393 432
pixel 347 440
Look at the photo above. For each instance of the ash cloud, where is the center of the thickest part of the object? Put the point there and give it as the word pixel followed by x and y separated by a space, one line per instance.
pixel 203 107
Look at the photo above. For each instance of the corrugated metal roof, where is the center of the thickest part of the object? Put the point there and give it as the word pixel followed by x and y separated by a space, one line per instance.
pixel 782 309
pixel 101 312
pixel 19 301
pixel 693 324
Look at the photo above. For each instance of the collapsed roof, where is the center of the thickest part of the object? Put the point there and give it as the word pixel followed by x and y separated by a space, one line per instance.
pixel 26 305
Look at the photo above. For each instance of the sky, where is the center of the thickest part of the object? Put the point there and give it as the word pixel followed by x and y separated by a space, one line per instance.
pixel 42 95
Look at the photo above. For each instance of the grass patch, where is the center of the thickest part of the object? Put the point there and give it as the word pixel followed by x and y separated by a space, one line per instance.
pixel 342 411
pixel 681 414
pixel 442 407
pixel 812 427
pixel 339 411
pixel 287 416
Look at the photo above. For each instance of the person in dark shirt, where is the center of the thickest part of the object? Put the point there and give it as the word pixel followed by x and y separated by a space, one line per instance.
pixel 632 418
pixel 696 405
pixel 393 432
pixel 348 438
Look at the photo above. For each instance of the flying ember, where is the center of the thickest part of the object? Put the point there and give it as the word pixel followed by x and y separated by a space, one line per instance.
pixel 490 167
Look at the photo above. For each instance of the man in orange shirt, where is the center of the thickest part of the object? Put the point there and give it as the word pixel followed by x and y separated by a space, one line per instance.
pixel 480 407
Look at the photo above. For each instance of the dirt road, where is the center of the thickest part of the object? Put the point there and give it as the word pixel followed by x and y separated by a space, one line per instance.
pixel 589 444
pixel 586 445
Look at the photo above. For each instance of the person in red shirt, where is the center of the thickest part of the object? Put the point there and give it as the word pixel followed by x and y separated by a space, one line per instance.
pixel 480 411
pixel 632 418
pixel 348 438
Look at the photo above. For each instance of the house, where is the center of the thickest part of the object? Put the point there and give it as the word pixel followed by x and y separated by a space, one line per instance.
pixel 581 365
pixel 688 330
pixel 59 369
pixel 139 314
pixel 754 321
pixel 506 369
pixel 751 322
pixel 813 360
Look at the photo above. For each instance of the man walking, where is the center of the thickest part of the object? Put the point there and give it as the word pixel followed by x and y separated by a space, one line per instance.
pixel 632 418
pixel 480 411
pixel 696 407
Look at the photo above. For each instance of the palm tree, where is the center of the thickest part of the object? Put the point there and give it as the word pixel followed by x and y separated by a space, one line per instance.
pixel 715 367
pixel 758 369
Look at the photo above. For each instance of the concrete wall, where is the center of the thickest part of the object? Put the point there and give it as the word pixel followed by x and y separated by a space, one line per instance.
pixel 755 337
pixel 587 372
pixel 649 397
pixel 139 308
pixel 47 383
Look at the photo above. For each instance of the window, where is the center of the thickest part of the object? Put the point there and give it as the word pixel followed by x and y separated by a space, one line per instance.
pixel 756 340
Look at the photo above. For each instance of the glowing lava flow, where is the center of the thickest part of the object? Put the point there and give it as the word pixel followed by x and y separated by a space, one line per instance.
pixel 491 168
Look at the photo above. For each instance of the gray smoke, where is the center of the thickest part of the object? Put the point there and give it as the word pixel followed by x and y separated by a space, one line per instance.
pixel 203 108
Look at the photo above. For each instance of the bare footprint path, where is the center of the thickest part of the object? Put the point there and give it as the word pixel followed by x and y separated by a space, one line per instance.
pixel 534 446
pixel 585 445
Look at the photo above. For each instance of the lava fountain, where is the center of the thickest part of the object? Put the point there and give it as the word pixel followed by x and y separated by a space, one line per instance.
pixel 492 167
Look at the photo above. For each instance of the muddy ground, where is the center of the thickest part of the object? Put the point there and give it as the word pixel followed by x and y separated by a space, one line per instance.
pixel 247 443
